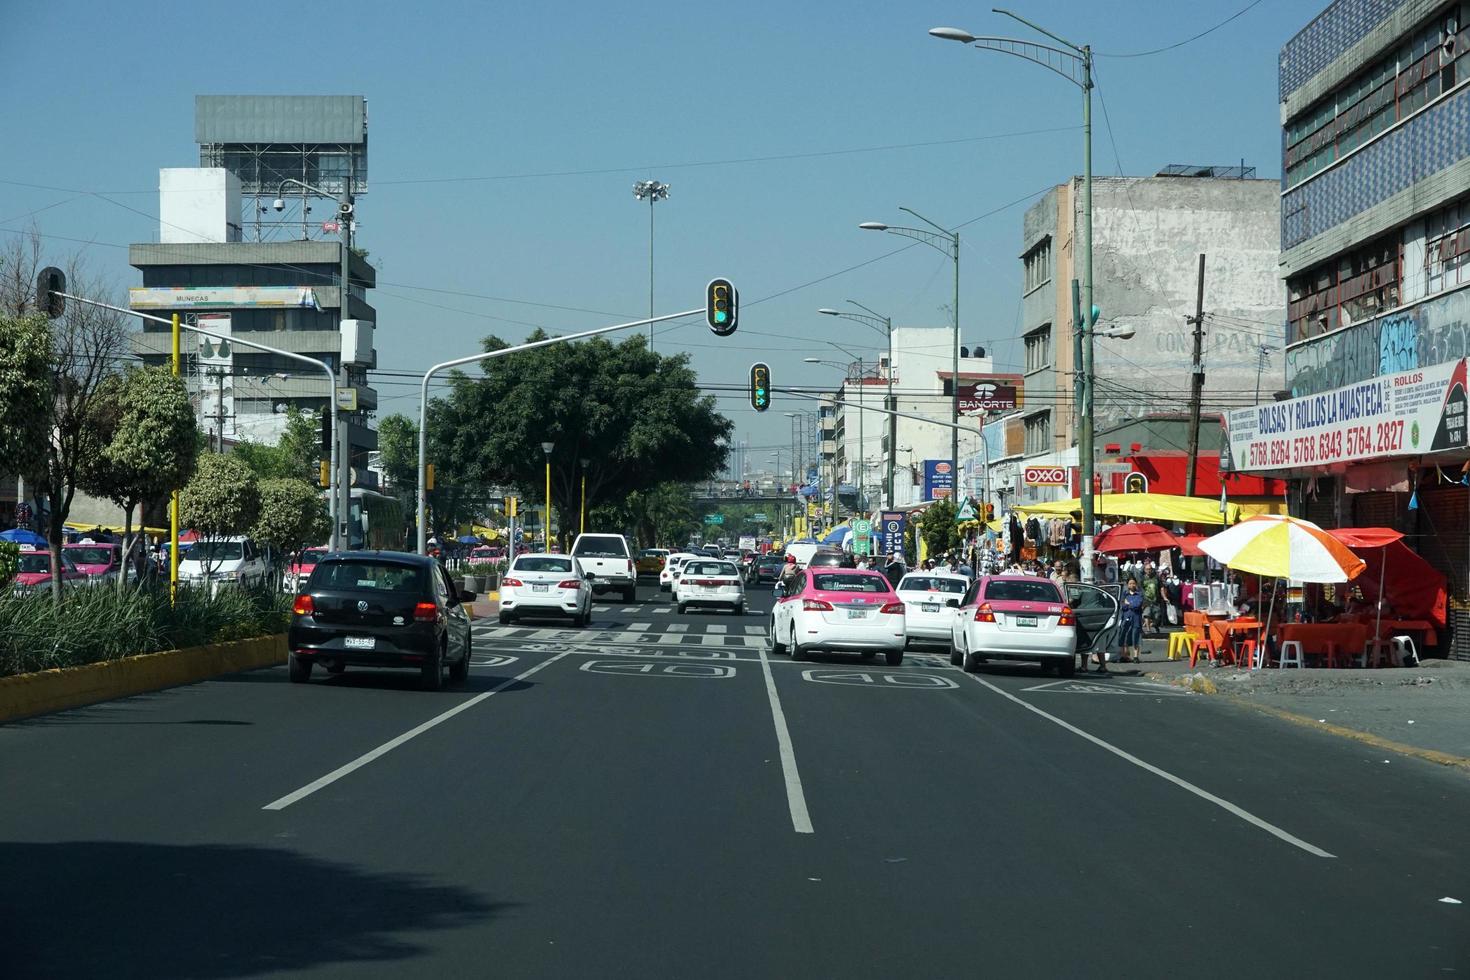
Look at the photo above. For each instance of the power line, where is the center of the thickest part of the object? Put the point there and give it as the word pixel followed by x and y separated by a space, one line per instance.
pixel 1180 44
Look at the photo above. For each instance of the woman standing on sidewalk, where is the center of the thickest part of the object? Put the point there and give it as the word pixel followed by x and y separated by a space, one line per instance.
pixel 1130 630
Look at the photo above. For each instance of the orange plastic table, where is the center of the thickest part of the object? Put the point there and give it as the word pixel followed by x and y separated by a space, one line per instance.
pixel 1226 630
pixel 1326 639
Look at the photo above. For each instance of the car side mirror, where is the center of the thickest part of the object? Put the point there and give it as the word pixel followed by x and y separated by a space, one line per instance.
pixel 588 576
pixel 952 603
pixel 465 596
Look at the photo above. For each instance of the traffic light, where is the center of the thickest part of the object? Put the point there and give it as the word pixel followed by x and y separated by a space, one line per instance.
pixel 989 513
pixel 760 387
pixel 324 473
pixel 510 506
pixel 721 306
pixel 327 434
pixel 428 476
pixel 49 282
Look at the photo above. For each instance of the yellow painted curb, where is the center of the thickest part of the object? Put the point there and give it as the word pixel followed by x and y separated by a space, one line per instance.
pixel 25 695
pixel 1377 741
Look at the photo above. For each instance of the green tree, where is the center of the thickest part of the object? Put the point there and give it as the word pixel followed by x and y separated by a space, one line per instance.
pixel 293 515
pixel 9 561
pixel 221 501
pixel 144 425
pixel 937 525
pixel 295 454
pixel 25 391
pixel 398 449
pixel 637 417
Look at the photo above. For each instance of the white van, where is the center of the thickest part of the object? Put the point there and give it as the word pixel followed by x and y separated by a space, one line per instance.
pixel 235 560
pixel 803 550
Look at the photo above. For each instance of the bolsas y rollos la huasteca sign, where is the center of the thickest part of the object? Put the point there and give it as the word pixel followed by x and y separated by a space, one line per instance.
pixel 1406 414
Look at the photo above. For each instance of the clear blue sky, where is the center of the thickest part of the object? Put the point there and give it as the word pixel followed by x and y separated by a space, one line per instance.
pixel 100 95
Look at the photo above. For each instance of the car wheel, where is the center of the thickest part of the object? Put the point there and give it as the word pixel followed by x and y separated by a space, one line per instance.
pixel 797 653
pixel 955 657
pixel 740 609
pixel 431 675
pixel 505 619
pixel 895 658
pixel 1067 667
pixel 972 663
pixel 776 645
pixel 1047 667
pixel 299 669
pixel 682 608
pixel 460 672
pixel 630 594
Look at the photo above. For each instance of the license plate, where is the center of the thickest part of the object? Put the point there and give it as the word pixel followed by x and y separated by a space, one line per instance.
pixel 1025 620
pixel 929 606
pixel 360 642
pixel 540 588
pixel 603 581
pixel 857 614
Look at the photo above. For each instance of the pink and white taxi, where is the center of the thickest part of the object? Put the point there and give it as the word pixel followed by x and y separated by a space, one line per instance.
pixel 840 609
pixel 33 572
pixel 1025 617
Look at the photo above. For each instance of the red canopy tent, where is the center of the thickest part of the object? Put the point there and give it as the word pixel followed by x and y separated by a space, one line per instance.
pixel 1189 545
pixel 1415 589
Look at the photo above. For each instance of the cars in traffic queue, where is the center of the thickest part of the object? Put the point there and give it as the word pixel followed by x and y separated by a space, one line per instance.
pixel 299 568
pixel 766 569
pixel 33 572
pixel 670 573
pixel 98 562
pixel 1029 618
pixel 650 561
pixel 233 560
pixel 930 600
pixel 380 609
pixel 831 558
pixel 486 552
pixel 607 557
pixel 546 585
pixel 840 610
pixel 707 582
pixel 803 550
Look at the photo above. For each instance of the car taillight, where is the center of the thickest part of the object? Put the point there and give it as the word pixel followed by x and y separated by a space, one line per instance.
pixel 892 609
pixel 816 605
pixel 304 606
pixel 1067 618
pixel 570 583
pixel 984 614
pixel 425 612
pixel 514 582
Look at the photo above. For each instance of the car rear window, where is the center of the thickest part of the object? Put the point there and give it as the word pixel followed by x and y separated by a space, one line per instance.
pixel 600 546
pixel 378 576
pixel 543 565
pixel 930 583
pixel 710 568
pixel 90 556
pixel 32 562
pixel 850 583
pixel 1017 590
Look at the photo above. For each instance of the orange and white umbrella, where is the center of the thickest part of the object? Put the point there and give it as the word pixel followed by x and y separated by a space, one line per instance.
pixel 1284 547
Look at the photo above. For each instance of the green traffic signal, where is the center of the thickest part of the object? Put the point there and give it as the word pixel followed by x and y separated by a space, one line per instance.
pixel 721 307
pixel 760 383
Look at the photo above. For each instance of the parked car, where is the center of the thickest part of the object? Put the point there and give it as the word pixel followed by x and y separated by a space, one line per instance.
pixel 33 572
pixel 670 573
pixel 380 609
pixel 607 557
pixel 98 562
pixel 1028 618
pixel 236 560
pixel 651 561
pixel 706 582
pixel 486 552
pixel 929 601
pixel 544 584
pixel 299 568
pixel 840 609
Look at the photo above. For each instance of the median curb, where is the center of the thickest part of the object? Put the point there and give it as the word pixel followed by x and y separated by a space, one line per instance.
pixel 45 691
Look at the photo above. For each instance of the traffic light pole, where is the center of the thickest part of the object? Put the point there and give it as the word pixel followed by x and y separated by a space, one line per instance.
pixel 423 498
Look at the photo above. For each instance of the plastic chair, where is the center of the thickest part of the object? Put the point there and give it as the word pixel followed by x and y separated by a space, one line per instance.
pixel 1207 643
pixel 1373 652
pixel 1403 651
pixel 1291 654
pixel 1335 655
pixel 1250 657
pixel 1179 644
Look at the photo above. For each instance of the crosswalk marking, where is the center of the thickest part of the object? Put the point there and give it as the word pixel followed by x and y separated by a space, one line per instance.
pixel 678 627
pixel 670 639
pixel 547 634
pixel 712 641
pixel 602 608
pixel 662 609
pixel 714 629
pixel 754 642
pixel 755 631
pixel 639 627
pixel 628 609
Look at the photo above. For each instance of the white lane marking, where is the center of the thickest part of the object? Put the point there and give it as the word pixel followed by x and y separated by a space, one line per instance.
pixel 712 641
pixel 670 639
pixel 662 609
pixel 801 820
pixel 627 638
pixel 1184 784
pixel 755 631
pixel 547 635
pixel 713 628
pixel 602 608
pixel 392 744
pixel 755 642
pixel 494 661
pixel 678 627
pixel 639 627
pixel 628 609
pixel 632 668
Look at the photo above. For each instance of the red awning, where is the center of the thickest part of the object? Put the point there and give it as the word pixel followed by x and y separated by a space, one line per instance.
pixel 1366 537
pixel 1189 545
pixel 1413 587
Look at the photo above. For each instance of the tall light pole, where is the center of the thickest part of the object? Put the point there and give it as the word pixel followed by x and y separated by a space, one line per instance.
pixel 582 525
pixel 547 447
pixel 874 319
pixel 654 192
pixel 1075 65
pixel 951 247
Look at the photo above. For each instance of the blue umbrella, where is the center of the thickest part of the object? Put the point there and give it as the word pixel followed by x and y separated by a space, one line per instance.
pixel 468 539
pixel 837 535
pixel 20 535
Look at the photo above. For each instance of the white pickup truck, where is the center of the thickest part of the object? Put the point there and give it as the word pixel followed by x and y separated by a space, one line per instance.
pixel 607 557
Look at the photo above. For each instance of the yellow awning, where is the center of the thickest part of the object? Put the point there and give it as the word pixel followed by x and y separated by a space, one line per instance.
pixel 1252 508
pixel 116 528
pixel 1145 506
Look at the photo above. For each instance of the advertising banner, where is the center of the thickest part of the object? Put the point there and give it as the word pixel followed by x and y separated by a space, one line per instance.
pixel 219 297
pixel 1045 476
pixel 1404 414
pixel 998 393
pixel 861 532
pixel 890 533
pixel 938 479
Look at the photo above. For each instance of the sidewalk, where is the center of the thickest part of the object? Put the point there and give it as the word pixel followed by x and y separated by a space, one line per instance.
pixel 485 606
pixel 1421 710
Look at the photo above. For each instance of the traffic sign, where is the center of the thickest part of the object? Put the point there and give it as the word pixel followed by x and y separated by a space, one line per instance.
pixel 966 512
pixel 714 518
pixel 861 532
pixel 758 517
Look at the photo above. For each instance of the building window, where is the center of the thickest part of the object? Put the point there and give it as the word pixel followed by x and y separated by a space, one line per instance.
pixel 1038 265
pixel 1447 247
pixel 1351 288
pixel 1427 65
pixel 1038 433
pixel 1038 349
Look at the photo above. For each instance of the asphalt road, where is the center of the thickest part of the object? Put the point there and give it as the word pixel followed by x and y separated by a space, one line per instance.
pixel 657 797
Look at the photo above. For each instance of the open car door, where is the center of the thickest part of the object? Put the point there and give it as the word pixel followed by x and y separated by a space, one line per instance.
pixel 1096 609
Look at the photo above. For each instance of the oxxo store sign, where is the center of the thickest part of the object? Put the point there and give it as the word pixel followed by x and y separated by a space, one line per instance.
pixel 1404 414
pixel 1045 476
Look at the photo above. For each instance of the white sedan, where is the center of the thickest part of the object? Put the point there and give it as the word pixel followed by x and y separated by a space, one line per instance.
pixel 845 609
pixel 546 585
pixel 670 573
pixel 1015 617
pixel 709 582
pixel 930 599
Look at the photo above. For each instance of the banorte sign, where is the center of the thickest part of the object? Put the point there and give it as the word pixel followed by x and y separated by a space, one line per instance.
pixel 1044 476
pixel 1002 393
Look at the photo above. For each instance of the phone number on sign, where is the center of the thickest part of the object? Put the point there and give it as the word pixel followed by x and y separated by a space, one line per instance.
pixel 1326 447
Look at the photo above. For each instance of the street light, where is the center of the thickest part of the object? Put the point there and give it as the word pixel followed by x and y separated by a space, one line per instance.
pixel 1073 63
pixel 654 192
pixel 582 526
pixel 951 248
pixel 547 447
pixel 872 319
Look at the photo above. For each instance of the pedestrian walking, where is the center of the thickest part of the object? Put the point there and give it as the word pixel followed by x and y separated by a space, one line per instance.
pixel 1130 631
pixel 1152 594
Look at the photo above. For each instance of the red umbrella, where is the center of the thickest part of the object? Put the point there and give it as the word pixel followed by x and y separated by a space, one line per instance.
pixel 1134 537
pixel 1189 545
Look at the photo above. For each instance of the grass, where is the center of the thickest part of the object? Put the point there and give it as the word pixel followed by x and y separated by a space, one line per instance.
pixel 94 624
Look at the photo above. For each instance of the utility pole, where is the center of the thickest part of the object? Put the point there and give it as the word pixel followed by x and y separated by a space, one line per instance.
pixel 219 412
pixel 1197 384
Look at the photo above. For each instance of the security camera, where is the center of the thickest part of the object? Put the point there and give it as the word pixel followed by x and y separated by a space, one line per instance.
pixel 278 204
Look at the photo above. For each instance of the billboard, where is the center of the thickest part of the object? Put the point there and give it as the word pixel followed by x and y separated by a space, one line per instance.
pixel 996 393
pixel 220 297
pixel 890 533
pixel 1405 414
pixel 1045 476
pixel 938 479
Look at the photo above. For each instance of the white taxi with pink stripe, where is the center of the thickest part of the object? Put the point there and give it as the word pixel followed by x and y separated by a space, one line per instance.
pixel 840 609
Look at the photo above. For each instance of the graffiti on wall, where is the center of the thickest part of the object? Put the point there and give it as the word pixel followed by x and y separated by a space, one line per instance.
pixel 1431 333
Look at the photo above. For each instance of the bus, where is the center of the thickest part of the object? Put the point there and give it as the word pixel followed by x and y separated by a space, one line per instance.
pixel 375 522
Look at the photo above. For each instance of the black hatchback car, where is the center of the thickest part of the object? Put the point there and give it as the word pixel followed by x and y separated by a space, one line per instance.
pixel 831 558
pixel 380 609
